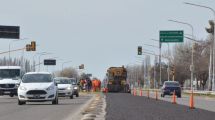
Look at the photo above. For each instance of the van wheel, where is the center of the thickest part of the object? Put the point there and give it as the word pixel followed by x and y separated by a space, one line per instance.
pixel 21 102
pixel 77 95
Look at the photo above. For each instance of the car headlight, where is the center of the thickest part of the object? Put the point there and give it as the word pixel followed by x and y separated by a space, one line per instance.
pixel 17 85
pixel 69 88
pixel 76 87
pixel 50 88
pixel 23 88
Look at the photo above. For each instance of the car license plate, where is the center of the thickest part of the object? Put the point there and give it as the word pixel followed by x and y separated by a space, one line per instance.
pixel 36 96
pixel 6 92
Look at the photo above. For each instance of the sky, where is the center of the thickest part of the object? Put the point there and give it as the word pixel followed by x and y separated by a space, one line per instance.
pixel 97 33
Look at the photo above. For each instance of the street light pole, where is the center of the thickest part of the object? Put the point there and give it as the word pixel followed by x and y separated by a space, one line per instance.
pixel 213 52
pixel 40 56
pixel 192 65
pixel 33 62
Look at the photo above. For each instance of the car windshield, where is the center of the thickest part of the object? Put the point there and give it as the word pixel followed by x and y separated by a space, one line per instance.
pixel 37 78
pixel 9 73
pixel 63 81
pixel 171 84
pixel 73 81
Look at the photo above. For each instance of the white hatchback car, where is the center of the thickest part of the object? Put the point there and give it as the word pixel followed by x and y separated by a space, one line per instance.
pixel 37 87
pixel 65 87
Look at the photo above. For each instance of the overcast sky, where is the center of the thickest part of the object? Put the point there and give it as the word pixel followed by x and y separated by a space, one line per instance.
pixel 98 33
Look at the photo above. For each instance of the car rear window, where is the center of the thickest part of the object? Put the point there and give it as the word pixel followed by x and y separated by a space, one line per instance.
pixel 171 84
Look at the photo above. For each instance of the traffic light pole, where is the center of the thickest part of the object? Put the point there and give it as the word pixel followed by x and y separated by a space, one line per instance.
pixel 160 82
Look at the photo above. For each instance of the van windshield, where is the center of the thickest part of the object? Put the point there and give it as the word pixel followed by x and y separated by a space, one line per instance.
pixel 37 78
pixel 9 73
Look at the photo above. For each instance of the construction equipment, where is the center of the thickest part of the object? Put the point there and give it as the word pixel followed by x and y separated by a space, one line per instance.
pixel 116 79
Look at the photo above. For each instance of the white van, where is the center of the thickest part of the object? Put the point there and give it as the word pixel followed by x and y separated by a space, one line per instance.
pixel 10 77
pixel 37 87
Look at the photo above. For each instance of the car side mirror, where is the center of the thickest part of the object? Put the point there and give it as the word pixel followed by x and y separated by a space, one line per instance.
pixel 56 84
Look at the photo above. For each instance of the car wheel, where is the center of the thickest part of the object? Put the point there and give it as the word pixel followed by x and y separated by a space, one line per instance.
pixel 11 95
pixel 162 95
pixel 55 101
pixel 21 102
pixel 179 96
pixel 77 95
pixel 71 97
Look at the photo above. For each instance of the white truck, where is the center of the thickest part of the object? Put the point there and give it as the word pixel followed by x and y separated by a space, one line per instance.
pixel 10 77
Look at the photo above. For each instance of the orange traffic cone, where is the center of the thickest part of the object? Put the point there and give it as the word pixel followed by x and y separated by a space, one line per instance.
pixel 174 98
pixel 134 92
pixel 141 92
pixel 156 95
pixel 191 101
pixel 148 94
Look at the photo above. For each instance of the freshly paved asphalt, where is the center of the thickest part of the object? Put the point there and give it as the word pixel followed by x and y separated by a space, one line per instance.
pixel 124 106
pixel 10 110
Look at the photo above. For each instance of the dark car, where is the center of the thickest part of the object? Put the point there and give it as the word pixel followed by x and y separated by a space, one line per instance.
pixel 169 87
pixel 75 87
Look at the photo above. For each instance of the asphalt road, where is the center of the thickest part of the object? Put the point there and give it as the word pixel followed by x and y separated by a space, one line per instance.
pixel 9 110
pixel 124 106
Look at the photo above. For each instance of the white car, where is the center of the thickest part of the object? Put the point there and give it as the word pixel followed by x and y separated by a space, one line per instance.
pixel 37 87
pixel 65 87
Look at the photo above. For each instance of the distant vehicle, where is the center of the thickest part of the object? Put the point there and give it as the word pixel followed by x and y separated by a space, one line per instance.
pixel 169 87
pixel 37 87
pixel 75 87
pixel 65 87
pixel 116 80
pixel 10 77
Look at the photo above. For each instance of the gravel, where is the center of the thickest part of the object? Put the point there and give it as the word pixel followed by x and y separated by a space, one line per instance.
pixel 124 106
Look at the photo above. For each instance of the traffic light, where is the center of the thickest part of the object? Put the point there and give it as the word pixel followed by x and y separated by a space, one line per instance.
pixel 33 46
pixel 211 29
pixel 81 66
pixel 139 50
pixel 28 47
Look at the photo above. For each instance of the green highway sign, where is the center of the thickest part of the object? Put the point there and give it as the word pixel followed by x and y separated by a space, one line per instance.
pixel 172 36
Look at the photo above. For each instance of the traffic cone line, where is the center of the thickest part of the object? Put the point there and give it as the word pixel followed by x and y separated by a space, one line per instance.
pixel 174 98
pixel 191 101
